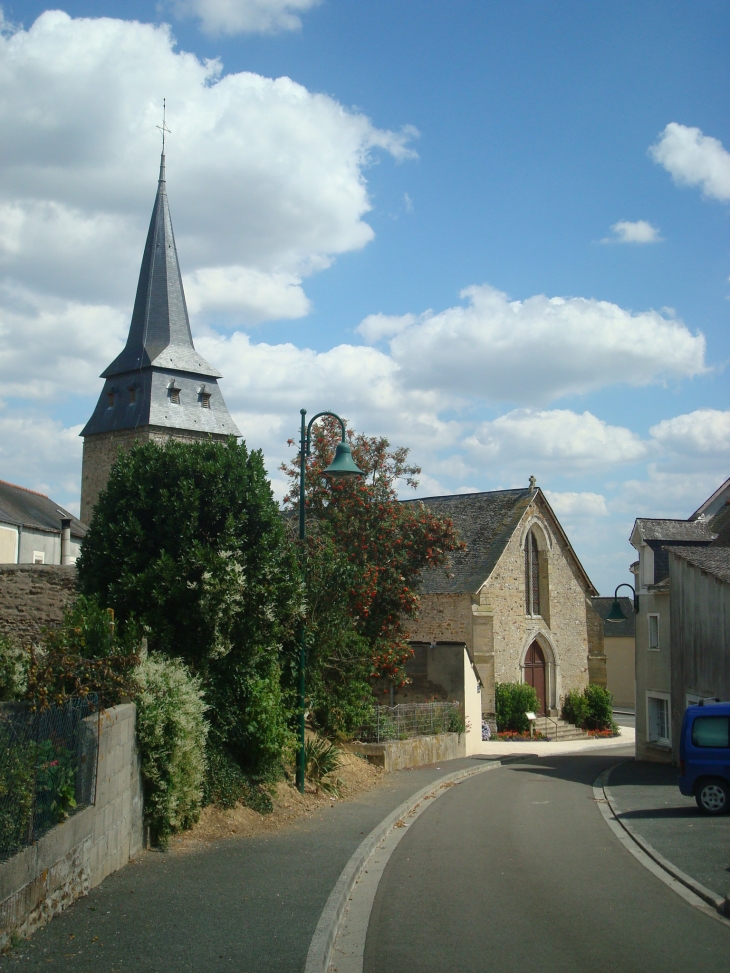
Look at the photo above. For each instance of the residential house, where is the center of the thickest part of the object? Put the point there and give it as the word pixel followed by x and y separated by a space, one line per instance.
pixel 619 646
pixel 517 597
pixel 656 541
pixel 35 530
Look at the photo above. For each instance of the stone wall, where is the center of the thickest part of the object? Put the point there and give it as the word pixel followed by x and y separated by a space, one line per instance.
pixel 102 450
pixel 415 752
pixel 32 597
pixel 45 878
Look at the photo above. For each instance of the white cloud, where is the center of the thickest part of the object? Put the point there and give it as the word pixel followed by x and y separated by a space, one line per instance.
pixel 694 159
pixel 245 16
pixel 265 178
pixel 537 350
pixel 375 327
pixel 695 441
pixel 41 454
pixel 639 232
pixel 558 440
pixel 666 494
pixel 577 505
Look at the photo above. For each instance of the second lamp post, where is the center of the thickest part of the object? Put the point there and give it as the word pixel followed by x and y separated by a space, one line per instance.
pixel 342 467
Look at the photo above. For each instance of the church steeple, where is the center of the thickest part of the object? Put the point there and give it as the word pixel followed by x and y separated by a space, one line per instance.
pixel 160 330
pixel 158 387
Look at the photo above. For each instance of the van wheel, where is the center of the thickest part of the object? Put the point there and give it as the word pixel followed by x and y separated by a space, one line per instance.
pixel 713 797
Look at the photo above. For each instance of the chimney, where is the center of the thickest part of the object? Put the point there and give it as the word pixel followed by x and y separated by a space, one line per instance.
pixel 66 540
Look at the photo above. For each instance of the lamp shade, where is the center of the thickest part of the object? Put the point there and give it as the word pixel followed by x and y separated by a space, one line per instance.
pixel 616 614
pixel 343 466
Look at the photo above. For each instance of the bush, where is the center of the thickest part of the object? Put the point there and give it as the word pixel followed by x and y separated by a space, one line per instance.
pixel 590 710
pixel 172 733
pixel 14 663
pixel 321 760
pixel 511 701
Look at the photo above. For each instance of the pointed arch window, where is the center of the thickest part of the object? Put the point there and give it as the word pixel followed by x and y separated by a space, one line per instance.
pixel 532 576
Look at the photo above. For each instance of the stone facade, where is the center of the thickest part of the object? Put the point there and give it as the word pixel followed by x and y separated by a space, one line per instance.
pixel 494 624
pixel 33 597
pixel 45 878
pixel 102 450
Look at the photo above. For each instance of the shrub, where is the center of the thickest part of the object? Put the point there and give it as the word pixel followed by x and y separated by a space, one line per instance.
pixel 511 701
pixel 14 663
pixel 590 710
pixel 17 789
pixel 321 760
pixel 226 784
pixel 172 733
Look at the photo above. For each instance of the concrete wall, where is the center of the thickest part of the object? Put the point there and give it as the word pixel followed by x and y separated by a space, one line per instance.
pixel 32 597
pixel 494 625
pixel 101 452
pixel 700 634
pixel 415 752
pixel 42 880
pixel 620 666
pixel 653 671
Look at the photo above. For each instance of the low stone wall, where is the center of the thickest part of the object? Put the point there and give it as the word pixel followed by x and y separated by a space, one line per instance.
pixel 414 752
pixel 33 597
pixel 45 878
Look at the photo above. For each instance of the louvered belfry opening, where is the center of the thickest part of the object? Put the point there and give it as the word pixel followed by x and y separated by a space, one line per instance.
pixel 532 576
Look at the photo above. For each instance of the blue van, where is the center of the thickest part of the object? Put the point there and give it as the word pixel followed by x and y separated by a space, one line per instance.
pixel 704 756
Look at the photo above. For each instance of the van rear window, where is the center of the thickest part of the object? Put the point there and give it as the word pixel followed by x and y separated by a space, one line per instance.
pixel 711 731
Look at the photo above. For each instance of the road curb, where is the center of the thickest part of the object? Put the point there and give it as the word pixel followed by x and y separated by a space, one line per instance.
pixel 320 948
pixel 663 868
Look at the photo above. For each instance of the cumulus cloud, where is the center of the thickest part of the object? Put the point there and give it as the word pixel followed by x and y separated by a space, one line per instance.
pixel 666 494
pixel 265 178
pixel 375 327
pixel 627 232
pixel 698 440
pixel 558 440
pixel 42 454
pixel 575 505
pixel 694 159
pixel 537 350
pixel 245 16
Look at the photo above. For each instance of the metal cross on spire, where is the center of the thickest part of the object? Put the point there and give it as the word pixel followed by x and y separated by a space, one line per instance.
pixel 163 128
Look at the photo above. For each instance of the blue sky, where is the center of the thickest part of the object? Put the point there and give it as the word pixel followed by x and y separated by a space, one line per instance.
pixel 356 238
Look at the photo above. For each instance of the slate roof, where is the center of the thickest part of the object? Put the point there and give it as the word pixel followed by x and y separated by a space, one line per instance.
pixel 713 560
pixel 623 629
pixel 26 508
pixel 159 354
pixel 713 504
pixel 485 522
pixel 720 524
pixel 673 530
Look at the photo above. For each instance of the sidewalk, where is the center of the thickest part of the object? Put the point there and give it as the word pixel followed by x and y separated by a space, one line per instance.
pixel 544 748
pixel 646 798
pixel 235 906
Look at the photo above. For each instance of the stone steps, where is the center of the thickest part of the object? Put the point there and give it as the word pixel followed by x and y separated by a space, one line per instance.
pixel 557 729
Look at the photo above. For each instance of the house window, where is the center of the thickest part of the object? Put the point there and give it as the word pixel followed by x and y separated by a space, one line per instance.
pixel 532 576
pixel 657 715
pixel 654 632
pixel 39 557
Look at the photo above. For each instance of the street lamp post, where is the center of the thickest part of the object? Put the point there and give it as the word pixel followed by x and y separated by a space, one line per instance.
pixel 342 467
pixel 616 614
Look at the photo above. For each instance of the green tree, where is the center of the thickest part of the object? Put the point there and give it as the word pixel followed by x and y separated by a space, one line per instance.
pixel 188 540
pixel 386 544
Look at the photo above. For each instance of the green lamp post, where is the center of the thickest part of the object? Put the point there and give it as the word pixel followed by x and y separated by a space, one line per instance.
pixel 616 614
pixel 342 467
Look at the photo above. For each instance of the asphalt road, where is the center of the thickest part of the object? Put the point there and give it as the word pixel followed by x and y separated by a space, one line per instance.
pixel 516 871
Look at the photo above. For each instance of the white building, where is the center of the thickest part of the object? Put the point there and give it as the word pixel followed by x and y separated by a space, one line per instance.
pixel 35 530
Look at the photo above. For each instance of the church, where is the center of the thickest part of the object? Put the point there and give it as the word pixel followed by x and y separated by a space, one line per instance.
pixel 158 387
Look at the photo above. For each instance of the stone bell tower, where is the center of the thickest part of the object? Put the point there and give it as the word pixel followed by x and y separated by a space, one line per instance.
pixel 159 387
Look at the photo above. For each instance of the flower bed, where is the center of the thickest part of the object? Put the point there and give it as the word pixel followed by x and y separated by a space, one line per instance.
pixel 517 735
pixel 602 734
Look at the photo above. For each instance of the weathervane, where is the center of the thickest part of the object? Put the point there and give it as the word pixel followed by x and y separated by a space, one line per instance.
pixel 163 128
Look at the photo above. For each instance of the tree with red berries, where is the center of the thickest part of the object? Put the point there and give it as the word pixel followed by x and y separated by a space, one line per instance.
pixel 384 544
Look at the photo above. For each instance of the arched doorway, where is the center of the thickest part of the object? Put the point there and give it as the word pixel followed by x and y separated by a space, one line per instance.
pixel 535 675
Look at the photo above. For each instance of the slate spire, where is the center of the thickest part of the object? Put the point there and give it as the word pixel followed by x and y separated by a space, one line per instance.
pixel 160 330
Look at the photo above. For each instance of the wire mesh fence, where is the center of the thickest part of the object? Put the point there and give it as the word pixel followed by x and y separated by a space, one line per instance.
pixel 412 720
pixel 47 768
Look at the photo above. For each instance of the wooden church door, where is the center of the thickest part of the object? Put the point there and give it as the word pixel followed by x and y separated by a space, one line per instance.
pixel 535 675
